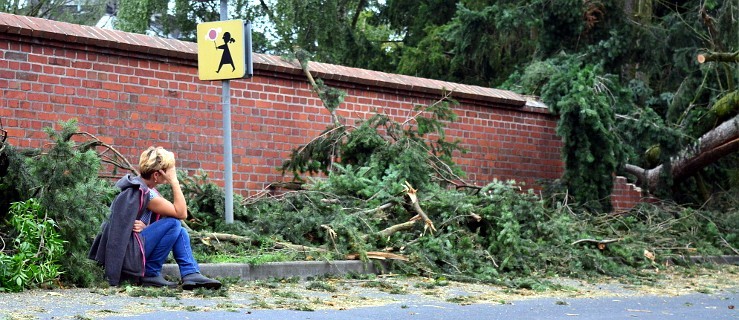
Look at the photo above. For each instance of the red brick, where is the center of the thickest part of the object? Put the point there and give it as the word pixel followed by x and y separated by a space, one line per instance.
pixel 16 132
pixel 17 56
pixel 42 97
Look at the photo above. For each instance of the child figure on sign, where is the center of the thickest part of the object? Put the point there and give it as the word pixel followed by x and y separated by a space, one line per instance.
pixel 226 57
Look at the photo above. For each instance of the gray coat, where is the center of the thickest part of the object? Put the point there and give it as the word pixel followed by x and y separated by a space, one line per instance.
pixel 117 248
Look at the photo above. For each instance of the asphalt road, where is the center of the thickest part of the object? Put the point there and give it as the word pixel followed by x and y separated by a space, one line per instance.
pixel 371 299
pixel 696 306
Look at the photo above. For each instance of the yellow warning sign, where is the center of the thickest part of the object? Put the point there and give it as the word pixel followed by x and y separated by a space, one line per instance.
pixel 222 50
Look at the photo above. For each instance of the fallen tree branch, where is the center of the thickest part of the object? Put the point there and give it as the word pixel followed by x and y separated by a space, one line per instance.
pixel 322 135
pixel 601 244
pixel 207 236
pixel 472 216
pixel 718 57
pixel 302 58
pixel 292 185
pixel 297 247
pixel 222 237
pixel 270 191
pixel 491 258
pixel 728 245
pixel 682 167
pixel 446 173
pixel 606 241
pixel 420 215
pixel 458 182
pixel 715 144
pixel 389 231
pixel 377 255
pixel 117 159
pixel 446 96
pixel 382 207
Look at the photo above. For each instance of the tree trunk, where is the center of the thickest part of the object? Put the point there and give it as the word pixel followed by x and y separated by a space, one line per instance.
pixel 718 57
pixel 724 109
pixel 715 144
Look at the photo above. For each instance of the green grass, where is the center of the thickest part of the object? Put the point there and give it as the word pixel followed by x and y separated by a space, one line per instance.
pixel 207 293
pixel 463 300
pixel 321 286
pixel 286 294
pixel 385 287
pixel 228 306
pixel 245 257
pixel 432 285
pixel 261 304
pixel 151 292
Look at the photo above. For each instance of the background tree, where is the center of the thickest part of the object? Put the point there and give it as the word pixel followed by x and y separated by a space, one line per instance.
pixel 86 12
pixel 645 91
pixel 647 52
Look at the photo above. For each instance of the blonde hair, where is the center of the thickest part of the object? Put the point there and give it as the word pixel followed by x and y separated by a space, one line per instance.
pixel 155 159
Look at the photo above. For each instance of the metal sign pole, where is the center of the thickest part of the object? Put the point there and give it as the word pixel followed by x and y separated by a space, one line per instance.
pixel 227 153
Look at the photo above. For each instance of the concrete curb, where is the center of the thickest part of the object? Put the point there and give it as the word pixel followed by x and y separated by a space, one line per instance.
pixel 306 269
pixel 709 259
pixel 301 269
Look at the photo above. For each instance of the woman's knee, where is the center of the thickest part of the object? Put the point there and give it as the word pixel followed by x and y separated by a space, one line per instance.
pixel 170 223
pixel 184 234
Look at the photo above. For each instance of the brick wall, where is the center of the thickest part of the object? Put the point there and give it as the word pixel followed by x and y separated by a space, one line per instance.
pixel 133 91
pixel 626 195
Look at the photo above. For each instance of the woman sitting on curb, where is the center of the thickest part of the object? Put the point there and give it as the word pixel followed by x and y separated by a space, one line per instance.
pixel 144 227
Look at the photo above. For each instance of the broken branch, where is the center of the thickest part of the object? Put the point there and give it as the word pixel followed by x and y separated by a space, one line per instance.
pixel 420 215
pixel 382 207
pixel 376 255
pixel 389 231
pixel 601 244
pixel 607 241
pixel 117 159
pixel 207 236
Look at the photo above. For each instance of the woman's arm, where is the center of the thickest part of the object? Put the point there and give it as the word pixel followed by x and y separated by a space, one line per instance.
pixel 178 207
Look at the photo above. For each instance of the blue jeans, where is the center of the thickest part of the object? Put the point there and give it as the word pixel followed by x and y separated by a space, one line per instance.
pixel 164 236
